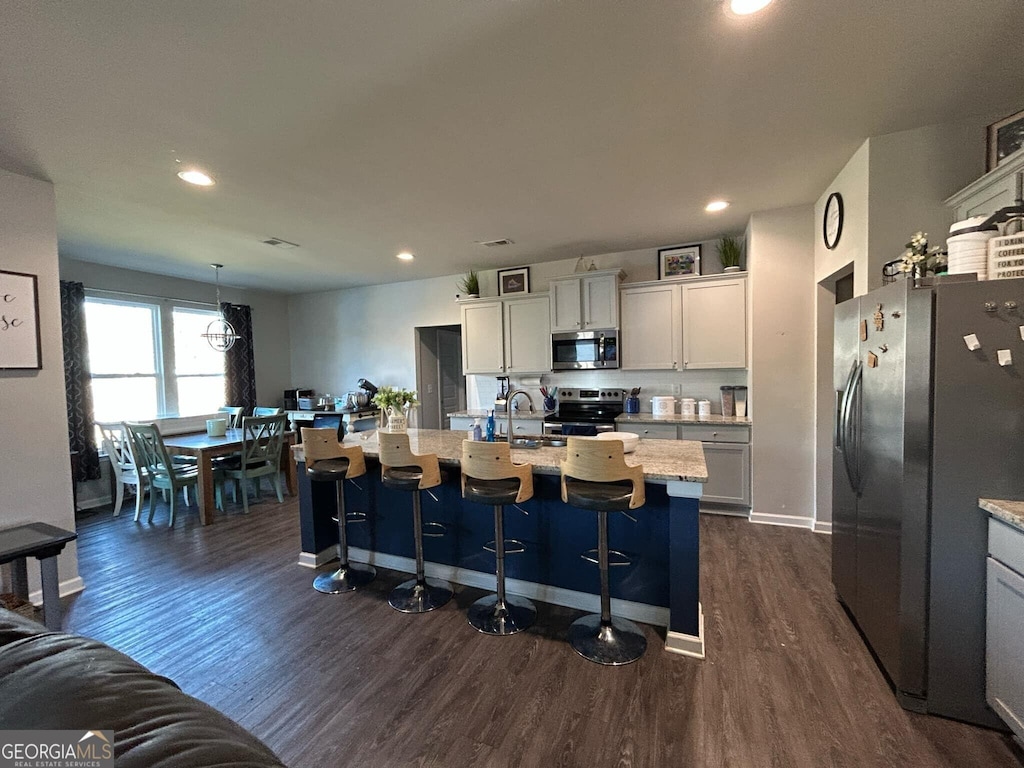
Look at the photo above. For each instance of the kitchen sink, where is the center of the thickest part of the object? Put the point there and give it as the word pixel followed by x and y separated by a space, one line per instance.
pixel 538 441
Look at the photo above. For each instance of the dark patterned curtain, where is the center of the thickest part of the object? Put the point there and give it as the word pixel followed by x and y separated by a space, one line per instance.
pixel 239 368
pixel 76 380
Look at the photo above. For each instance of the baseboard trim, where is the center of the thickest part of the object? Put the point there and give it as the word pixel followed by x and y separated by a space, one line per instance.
pixel 820 527
pixel 688 645
pixel 584 601
pixel 67 587
pixel 309 560
pixel 724 511
pixel 788 521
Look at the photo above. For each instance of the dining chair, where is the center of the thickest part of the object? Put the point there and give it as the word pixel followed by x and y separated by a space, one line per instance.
pixel 234 415
pixel 118 447
pixel 267 411
pixel 161 471
pixel 262 438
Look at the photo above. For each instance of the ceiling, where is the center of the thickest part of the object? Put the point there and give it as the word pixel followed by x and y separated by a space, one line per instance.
pixel 361 128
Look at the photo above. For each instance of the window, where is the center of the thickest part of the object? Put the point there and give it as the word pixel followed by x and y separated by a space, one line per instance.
pixel 149 359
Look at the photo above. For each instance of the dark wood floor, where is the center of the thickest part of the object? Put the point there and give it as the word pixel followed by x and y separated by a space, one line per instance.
pixel 344 680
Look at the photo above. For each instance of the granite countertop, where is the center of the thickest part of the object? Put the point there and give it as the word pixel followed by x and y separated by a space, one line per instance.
pixel 481 413
pixel 662 460
pixel 716 418
pixel 1010 512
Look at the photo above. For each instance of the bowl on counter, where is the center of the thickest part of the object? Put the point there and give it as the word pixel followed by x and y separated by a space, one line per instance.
pixel 628 439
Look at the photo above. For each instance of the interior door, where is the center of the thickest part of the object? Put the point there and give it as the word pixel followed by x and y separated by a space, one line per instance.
pixel 844 497
pixel 451 383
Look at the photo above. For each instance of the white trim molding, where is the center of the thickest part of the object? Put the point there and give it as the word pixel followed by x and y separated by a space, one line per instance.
pixel 688 645
pixel 68 587
pixel 822 526
pixel 788 521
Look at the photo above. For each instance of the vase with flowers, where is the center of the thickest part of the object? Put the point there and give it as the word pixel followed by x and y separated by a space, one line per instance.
pixel 920 260
pixel 395 404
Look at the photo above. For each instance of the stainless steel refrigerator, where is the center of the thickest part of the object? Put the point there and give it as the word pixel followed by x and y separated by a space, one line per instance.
pixel 924 427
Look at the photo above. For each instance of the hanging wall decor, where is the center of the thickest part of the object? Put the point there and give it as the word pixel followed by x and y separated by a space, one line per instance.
pixel 20 343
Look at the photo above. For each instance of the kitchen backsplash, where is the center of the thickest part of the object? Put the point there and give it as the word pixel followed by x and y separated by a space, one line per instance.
pixel 480 390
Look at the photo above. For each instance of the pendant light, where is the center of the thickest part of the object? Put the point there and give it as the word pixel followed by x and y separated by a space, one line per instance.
pixel 219 333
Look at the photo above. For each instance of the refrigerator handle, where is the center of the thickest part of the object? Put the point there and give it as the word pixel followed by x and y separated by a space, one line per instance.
pixel 847 418
pixel 837 426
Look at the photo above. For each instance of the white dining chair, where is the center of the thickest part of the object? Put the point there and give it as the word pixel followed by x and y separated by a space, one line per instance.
pixel 126 472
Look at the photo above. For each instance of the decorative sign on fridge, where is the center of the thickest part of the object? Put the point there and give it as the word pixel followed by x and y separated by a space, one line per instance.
pixel 20 346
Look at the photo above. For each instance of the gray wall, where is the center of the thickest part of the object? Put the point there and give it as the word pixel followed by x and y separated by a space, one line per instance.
pixel 35 473
pixel 271 338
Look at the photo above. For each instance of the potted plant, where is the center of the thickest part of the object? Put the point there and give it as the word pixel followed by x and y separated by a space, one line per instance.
pixel 469 285
pixel 395 403
pixel 729 252
pixel 918 261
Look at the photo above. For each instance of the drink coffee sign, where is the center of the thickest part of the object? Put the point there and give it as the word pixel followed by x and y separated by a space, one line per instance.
pixel 20 346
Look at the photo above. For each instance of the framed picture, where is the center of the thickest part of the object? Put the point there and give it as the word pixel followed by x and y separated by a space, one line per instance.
pixel 20 345
pixel 679 261
pixel 1005 138
pixel 513 281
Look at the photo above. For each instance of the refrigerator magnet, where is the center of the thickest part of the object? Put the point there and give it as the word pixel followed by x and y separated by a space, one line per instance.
pixel 879 318
pixel 1005 357
pixel 872 360
pixel 863 330
pixel 971 340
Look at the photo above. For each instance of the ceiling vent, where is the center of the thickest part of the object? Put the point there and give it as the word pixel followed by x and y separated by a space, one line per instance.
pixel 277 242
pixel 494 243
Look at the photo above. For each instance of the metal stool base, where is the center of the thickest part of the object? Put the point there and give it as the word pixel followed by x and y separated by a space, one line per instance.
pixel 484 617
pixel 621 642
pixel 415 597
pixel 345 579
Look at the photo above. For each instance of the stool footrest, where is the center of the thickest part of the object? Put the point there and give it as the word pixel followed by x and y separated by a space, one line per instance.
pixel 612 554
pixel 512 546
pixel 434 530
pixel 352 517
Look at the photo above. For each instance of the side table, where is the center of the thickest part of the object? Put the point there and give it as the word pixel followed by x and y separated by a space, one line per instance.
pixel 44 542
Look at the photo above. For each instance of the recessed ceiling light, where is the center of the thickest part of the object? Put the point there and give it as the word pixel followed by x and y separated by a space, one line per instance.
pixel 197 177
pixel 747 7
pixel 405 256
pixel 716 205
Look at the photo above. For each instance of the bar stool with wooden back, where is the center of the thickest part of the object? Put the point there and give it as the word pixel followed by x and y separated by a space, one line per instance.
pixel 328 461
pixel 595 476
pixel 490 477
pixel 402 470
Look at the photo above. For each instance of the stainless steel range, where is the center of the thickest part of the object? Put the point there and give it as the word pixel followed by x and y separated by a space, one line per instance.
pixel 585 412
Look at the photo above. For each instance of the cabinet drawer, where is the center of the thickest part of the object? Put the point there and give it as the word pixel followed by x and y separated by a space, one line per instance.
pixel 1006 544
pixel 651 431
pixel 713 434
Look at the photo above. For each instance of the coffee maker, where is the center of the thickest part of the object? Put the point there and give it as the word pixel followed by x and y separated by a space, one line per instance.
pixel 501 399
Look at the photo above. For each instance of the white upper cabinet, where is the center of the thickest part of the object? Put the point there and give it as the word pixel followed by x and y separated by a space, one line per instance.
pixel 506 336
pixel 566 308
pixel 587 302
pixel 527 336
pixel 714 324
pixel 482 334
pixel 651 328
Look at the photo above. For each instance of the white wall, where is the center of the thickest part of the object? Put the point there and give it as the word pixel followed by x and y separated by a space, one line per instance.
pixel 270 332
pixel 853 247
pixel 781 295
pixel 35 471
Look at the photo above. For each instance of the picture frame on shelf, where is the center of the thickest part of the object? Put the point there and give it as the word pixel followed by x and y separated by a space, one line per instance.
pixel 1005 138
pixel 512 282
pixel 679 262
pixel 21 347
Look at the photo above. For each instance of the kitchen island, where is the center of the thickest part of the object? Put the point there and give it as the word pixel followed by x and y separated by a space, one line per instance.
pixel 660 585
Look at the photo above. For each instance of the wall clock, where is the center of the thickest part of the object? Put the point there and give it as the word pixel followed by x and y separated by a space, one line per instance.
pixel 832 223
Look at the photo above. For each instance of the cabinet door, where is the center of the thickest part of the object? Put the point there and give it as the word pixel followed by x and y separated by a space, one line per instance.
pixel 650 328
pixel 527 336
pixel 1004 654
pixel 482 350
pixel 565 306
pixel 728 474
pixel 601 302
pixel 715 324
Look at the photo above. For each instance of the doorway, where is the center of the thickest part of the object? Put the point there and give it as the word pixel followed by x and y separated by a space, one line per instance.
pixel 440 383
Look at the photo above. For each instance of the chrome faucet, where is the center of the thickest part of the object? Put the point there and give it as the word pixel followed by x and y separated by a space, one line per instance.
pixel 509 404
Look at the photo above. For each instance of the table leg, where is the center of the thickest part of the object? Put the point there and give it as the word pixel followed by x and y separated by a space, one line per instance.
pixel 51 593
pixel 205 489
pixel 19 578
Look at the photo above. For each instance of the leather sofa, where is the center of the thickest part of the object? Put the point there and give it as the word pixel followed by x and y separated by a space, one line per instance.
pixel 50 681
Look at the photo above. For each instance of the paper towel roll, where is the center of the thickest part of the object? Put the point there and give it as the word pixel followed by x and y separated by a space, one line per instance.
pixel 530 382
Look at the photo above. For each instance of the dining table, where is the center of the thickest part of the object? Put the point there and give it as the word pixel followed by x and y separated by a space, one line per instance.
pixel 205 448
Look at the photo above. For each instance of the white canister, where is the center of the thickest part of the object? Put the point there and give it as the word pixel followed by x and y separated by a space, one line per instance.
pixel 663 406
pixel 216 427
pixel 703 408
pixel 688 406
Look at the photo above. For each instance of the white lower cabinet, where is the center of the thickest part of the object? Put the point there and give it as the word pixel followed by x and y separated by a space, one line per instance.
pixel 1004 656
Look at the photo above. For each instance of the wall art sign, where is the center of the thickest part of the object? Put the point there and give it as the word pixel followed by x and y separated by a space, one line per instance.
pixel 20 344
pixel 679 261
pixel 1005 138
pixel 513 281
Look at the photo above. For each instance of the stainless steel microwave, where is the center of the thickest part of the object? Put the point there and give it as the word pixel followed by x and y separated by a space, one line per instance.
pixel 585 350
